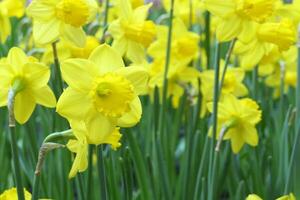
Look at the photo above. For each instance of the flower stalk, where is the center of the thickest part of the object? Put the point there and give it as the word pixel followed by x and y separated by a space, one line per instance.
pixel 167 64
pixel 58 77
pixel 47 146
pixel 14 148
pixel 297 123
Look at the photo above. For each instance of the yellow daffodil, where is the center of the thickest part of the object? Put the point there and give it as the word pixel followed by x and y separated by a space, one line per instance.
pixel 28 79
pixel 11 194
pixel 9 8
pixel 237 17
pixel 66 50
pixel 179 77
pixel 232 84
pixel 253 197
pixel 281 34
pixel 132 33
pixel 102 92
pixel 184 43
pixel 80 145
pixel 240 116
pixel 290 10
pixel 287 197
pixel 186 10
pixel 53 19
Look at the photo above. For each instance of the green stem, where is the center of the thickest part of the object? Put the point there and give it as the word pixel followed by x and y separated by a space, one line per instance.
pixel 207 38
pixel 53 137
pixel 47 146
pixel 58 77
pixel 281 101
pixel 90 174
pixel 167 64
pixel 101 171
pixel 227 60
pixel 297 123
pixel 214 122
pixel 14 147
pixel 105 21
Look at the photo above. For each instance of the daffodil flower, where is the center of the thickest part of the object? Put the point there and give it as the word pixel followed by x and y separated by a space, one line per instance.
pixel 53 19
pixel 102 92
pixel 240 116
pixel 132 33
pixel 285 197
pixel 184 43
pixel 236 17
pixel 11 194
pixel 80 145
pixel 179 77
pixel 29 80
pixel 281 34
pixel 9 8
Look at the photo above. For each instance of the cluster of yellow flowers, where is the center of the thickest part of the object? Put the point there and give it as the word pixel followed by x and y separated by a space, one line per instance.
pixel 104 81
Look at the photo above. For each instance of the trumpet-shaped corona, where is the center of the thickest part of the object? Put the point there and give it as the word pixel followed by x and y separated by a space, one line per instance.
pixel 112 94
pixel 75 13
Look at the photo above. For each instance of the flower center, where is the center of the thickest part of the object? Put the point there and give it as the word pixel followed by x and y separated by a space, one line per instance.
pixel 282 34
pixel 185 47
pixel 18 84
pixel 73 12
pixel 143 33
pixel 112 94
pixel 257 10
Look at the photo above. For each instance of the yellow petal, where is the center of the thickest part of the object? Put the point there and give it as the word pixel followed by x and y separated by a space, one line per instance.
pixel 3 97
pixel 45 32
pixel 42 10
pixel 72 145
pixel 73 34
pixel 79 129
pixel 253 57
pixel 133 116
pixel 114 139
pixel 80 163
pixel 136 52
pixel 17 58
pixel 120 45
pixel 237 142
pixel 106 58
pixel 6 75
pixel 24 106
pixel 253 197
pixel 73 104
pixel 99 127
pixel 228 29
pixel 137 76
pixel 250 134
pixel 140 13
pixel 220 8
pixel 79 73
pixel 44 96
pixel 37 74
pixel 125 9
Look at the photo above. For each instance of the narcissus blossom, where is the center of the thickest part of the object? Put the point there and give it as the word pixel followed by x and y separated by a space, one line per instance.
pixel 240 116
pixel 263 38
pixel 132 33
pixel 53 19
pixel 11 194
pixel 28 79
pixel 102 92
pixel 184 43
pixel 9 8
pixel 237 17
pixel 80 145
